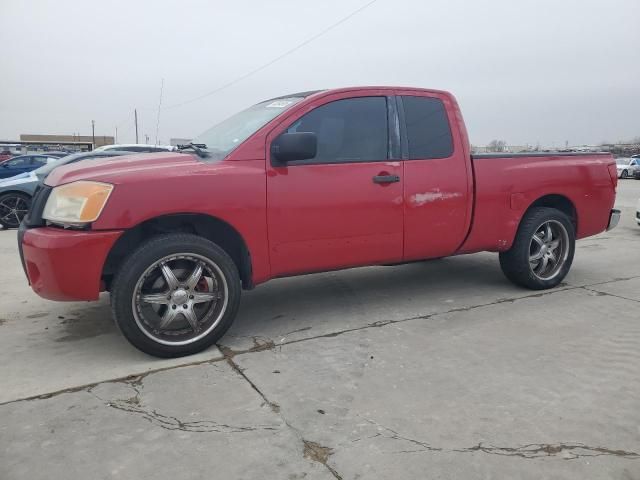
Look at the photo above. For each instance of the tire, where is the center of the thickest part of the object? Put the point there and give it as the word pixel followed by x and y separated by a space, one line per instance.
pixel 524 263
pixel 624 174
pixel 143 298
pixel 13 207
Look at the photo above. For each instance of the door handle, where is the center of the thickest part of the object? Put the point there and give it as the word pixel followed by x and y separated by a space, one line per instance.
pixel 386 179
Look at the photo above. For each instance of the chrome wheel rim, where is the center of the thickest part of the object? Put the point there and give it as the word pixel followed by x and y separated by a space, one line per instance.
pixel 548 250
pixel 12 210
pixel 180 299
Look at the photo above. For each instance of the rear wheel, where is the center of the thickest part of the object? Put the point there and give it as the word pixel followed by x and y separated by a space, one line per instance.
pixel 13 208
pixel 543 250
pixel 176 295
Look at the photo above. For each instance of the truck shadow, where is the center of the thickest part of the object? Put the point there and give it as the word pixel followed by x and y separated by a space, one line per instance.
pixel 334 299
pixel 364 295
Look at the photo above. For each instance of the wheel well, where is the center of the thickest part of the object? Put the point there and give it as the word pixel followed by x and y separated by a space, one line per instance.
pixel 558 202
pixel 211 228
pixel 16 192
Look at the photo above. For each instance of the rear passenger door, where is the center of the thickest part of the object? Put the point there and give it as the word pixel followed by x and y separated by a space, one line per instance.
pixel 437 188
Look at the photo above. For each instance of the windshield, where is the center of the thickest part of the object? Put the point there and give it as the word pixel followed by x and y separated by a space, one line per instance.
pixel 227 135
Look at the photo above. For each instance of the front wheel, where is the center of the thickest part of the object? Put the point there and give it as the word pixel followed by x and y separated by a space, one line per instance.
pixel 543 250
pixel 13 208
pixel 624 174
pixel 175 295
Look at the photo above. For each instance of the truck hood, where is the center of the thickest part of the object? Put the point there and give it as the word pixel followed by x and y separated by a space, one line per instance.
pixel 139 166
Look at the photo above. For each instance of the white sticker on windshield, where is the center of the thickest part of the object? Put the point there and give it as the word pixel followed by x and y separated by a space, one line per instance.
pixel 279 104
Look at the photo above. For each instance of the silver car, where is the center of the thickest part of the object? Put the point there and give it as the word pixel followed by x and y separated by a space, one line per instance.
pixel 627 167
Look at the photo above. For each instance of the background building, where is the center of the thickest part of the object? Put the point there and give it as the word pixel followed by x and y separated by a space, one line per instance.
pixel 174 142
pixel 52 140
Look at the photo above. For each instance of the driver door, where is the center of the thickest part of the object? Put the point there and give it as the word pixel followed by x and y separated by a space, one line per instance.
pixel 342 208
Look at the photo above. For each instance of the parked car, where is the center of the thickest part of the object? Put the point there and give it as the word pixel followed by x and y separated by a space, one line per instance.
pixel 25 163
pixel 16 192
pixel 627 167
pixel 136 147
pixel 5 155
pixel 304 183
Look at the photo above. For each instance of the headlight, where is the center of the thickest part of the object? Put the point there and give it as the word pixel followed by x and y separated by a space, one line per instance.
pixel 76 204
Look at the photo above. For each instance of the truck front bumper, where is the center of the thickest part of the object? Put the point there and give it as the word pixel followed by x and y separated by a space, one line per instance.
pixel 614 218
pixel 65 265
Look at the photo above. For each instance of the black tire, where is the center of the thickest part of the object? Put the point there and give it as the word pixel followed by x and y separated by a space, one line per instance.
pixel 625 174
pixel 131 274
pixel 8 220
pixel 515 262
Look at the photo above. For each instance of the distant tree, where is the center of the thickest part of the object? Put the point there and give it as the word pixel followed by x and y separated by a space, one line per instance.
pixel 497 146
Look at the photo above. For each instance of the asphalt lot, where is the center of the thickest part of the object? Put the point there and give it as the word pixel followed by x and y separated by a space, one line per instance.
pixel 438 369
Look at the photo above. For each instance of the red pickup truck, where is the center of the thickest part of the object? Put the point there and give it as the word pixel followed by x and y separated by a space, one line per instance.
pixel 307 182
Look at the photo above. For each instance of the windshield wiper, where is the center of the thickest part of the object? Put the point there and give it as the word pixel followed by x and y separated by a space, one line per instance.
pixel 199 148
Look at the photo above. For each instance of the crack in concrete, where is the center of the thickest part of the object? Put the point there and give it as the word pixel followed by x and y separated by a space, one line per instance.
pixel 269 344
pixel 396 436
pixel 607 294
pixel 316 452
pixel 87 386
pixel 311 450
pixel 236 368
pixel 568 451
pixel 135 405
pixel 261 344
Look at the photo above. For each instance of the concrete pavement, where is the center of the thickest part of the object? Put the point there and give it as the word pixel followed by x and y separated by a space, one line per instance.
pixel 431 370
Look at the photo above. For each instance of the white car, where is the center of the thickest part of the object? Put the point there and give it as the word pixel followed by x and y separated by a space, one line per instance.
pixel 136 147
pixel 627 167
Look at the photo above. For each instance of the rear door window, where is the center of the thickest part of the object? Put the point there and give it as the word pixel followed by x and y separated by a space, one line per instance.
pixel 40 160
pixel 427 128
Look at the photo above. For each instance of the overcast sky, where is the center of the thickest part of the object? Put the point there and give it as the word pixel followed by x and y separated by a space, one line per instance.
pixel 523 71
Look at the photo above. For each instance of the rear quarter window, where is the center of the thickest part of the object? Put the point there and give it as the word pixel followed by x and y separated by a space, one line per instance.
pixel 427 127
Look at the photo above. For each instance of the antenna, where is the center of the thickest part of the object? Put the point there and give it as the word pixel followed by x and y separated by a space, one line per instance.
pixel 135 112
pixel 159 106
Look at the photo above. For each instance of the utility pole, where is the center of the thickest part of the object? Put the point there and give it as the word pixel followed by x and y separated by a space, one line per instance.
pixel 116 135
pixel 135 112
pixel 146 139
pixel 93 133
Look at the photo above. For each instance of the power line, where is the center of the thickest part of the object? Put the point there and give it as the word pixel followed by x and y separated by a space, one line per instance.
pixel 271 62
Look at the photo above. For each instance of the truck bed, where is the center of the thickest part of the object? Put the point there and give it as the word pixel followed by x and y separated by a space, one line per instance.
pixel 507 184
pixel 480 156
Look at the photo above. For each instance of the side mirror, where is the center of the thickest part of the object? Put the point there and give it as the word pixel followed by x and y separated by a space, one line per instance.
pixel 289 147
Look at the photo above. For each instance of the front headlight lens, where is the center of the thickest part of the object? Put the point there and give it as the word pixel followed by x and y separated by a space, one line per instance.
pixel 77 203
